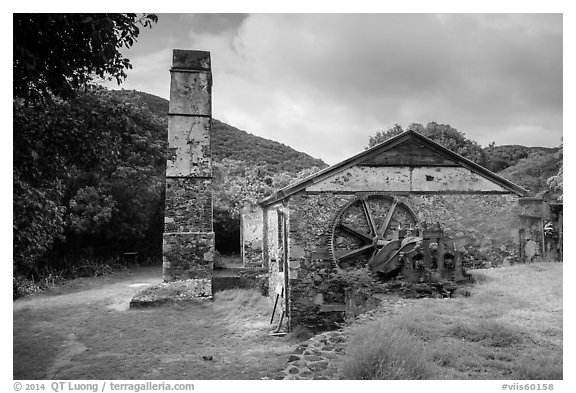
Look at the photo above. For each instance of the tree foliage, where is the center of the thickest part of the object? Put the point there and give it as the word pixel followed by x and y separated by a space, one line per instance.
pixel 443 134
pixel 55 54
pixel 533 171
pixel 556 182
pixel 502 157
pixel 80 155
pixel 87 167
pixel 238 184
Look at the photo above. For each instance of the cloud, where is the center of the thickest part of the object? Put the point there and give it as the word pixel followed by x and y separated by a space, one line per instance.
pixel 322 83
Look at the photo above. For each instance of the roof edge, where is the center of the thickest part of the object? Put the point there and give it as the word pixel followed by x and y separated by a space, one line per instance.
pixel 381 147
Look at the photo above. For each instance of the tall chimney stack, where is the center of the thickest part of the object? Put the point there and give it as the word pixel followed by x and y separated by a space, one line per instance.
pixel 188 242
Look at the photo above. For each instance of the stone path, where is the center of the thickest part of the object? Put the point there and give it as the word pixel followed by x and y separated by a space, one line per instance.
pixel 321 356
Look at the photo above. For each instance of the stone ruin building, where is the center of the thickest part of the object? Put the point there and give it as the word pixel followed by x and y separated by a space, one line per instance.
pixel 365 210
pixel 406 207
pixel 541 230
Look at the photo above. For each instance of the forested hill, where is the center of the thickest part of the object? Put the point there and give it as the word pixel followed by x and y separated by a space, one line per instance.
pixel 231 143
pixel 504 156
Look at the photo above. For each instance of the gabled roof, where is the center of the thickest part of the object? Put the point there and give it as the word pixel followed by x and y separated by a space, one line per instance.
pixel 437 155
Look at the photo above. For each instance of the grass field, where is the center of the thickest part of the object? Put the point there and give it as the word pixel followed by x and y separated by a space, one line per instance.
pixel 510 328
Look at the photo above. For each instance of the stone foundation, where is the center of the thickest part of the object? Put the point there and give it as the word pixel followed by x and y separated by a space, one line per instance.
pixel 170 292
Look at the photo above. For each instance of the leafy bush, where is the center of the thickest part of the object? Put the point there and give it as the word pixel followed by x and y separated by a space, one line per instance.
pixel 21 286
pixel 50 274
pixel 88 172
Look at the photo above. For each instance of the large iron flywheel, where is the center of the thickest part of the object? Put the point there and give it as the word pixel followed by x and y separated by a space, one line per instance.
pixel 365 231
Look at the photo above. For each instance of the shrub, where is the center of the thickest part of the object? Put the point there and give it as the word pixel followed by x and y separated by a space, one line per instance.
pixel 379 351
pixel 45 276
pixel 21 286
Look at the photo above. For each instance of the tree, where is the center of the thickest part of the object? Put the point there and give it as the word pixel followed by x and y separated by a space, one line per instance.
pixel 382 136
pixel 70 139
pixel 502 157
pixel 54 54
pixel 443 134
pixel 91 167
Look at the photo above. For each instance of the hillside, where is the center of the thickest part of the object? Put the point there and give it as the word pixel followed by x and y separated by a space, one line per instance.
pixel 231 143
pixel 533 172
pixel 237 152
pixel 504 156
pixel 520 164
pixel 246 169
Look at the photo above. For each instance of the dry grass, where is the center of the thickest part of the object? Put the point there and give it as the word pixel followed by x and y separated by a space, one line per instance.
pixel 510 328
pixel 241 301
pixel 490 332
pixel 379 351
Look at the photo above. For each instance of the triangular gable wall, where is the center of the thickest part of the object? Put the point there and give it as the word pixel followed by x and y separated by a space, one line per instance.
pixel 410 152
pixel 420 179
pixel 408 162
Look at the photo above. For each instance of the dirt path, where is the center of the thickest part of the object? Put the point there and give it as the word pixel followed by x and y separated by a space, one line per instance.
pixel 85 330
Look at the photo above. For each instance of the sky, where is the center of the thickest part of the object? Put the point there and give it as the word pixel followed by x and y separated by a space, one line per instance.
pixel 324 83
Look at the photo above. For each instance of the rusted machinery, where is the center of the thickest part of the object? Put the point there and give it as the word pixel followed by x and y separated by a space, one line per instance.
pixel 383 234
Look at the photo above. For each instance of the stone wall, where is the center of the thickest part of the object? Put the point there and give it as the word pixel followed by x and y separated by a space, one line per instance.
pixel 252 233
pixel 272 253
pixel 317 292
pixel 188 243
pixel 188 256
pixel 491 220
pixel 406 178
pixel 188 205
pixel 535 243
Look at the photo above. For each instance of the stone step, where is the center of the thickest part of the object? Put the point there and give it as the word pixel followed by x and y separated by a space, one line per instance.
pixel 234 278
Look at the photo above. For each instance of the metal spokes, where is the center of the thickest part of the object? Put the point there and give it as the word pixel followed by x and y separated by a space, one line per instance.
pixel 362 230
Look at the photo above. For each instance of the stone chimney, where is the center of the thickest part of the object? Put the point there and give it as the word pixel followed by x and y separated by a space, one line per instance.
pixel 188 243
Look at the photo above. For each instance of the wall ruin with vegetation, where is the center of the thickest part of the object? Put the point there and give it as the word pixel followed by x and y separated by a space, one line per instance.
pixel 318 294
pixel 252 233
